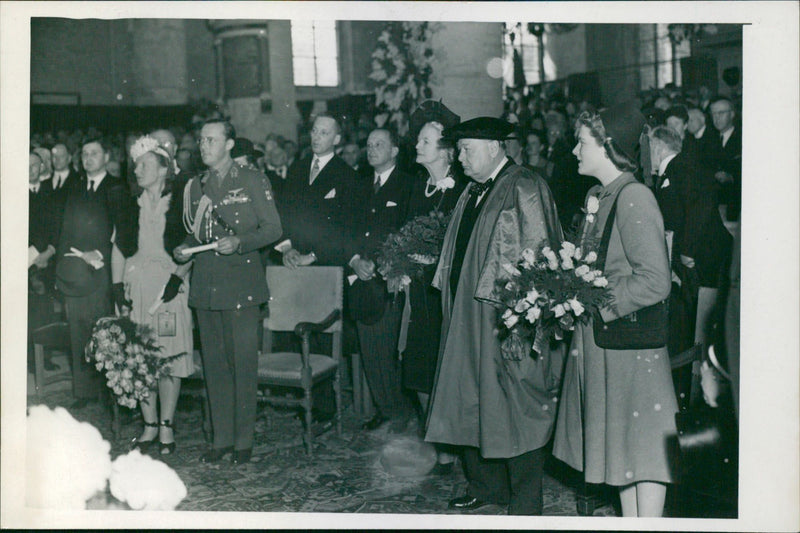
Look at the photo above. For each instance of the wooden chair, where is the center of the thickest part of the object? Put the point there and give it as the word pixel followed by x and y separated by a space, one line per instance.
pixel 48 337
pixel 308 301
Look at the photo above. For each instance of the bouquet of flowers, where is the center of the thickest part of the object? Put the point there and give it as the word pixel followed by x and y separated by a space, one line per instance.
pixel 405 254
pixel 130 357
pixel 545 295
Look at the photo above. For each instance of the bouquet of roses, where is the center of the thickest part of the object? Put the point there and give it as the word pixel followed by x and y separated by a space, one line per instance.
pixel 130 357
pixel 545 295
pixel 405 254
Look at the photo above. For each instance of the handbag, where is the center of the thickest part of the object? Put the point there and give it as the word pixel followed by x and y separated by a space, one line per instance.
pixel 644 328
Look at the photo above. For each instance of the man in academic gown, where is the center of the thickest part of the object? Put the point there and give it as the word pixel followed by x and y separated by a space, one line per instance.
pixel 499 407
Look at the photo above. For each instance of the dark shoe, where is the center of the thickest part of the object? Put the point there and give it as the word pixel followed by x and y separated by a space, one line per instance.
pixel 143 445
pixel 375 422
pixel 215 455
pixel 466 503
pixel 166 448
pixel 241 456
pixel 442 469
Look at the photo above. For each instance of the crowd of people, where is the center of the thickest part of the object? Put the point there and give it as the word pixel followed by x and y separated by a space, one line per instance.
pixel 156 225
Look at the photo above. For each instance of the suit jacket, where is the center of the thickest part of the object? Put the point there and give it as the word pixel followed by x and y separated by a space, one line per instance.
pixel 383 212
pixel 58 198
pixel 728 158
pixel 245 207
pixel 321 217
pixel 89 221
pixel 40 218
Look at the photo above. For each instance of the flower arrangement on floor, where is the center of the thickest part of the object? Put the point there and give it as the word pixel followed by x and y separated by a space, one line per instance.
pixel 405 254
pixel 130 357
pixel 546 295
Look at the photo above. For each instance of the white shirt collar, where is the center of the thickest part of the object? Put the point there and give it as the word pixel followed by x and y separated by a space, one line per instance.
pixel 323 160
pixel 700 132
pixel 97 180
pixel 383 176
pixel 726 136
pixel 496 171
pixel 34 187
pixel 664 162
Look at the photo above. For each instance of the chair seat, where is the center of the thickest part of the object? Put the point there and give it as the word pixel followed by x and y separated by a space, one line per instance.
pixel 286 366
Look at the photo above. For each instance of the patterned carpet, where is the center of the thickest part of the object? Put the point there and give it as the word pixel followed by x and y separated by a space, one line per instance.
pixel 348 473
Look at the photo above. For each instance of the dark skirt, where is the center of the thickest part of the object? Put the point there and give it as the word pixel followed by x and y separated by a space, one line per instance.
pixel 424 329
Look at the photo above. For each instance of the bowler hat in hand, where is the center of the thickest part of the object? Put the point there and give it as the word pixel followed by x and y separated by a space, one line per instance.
pixel 366 300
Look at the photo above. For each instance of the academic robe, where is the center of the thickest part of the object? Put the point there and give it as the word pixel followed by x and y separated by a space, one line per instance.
pixel 504 408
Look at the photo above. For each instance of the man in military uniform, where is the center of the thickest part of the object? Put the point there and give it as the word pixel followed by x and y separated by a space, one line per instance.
pixel 230 207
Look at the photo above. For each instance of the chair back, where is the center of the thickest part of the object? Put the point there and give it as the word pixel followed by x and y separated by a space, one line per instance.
pixel 304 294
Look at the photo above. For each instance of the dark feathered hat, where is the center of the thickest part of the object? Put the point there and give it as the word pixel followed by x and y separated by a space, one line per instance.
pixel 431 111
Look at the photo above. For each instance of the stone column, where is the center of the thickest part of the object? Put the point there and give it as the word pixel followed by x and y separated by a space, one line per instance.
pixel 463 50
pixel 254 76
pixel 159 62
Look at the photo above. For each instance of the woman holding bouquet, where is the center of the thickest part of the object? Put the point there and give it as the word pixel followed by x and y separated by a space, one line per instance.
pixel 142 266
pixel 438 189
pixel 617 406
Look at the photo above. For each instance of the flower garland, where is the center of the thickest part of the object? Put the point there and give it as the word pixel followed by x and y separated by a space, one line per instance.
pixel 402 69
pixel 130 357
pixel 545 295
pixel 404 255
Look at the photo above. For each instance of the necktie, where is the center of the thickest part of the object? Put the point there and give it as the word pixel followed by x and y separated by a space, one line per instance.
pixel 314 171
pixel 376 186
pixel 91 185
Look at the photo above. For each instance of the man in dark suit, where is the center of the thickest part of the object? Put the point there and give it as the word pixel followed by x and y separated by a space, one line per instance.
pixel 94 209
pixel 701 245
pixel 232 207
pixel 728 156
pixel 41 247
pixel 317 205
pixel 317 208
pixel 383 200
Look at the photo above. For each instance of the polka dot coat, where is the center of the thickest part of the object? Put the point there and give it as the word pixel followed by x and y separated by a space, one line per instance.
pixel 616 418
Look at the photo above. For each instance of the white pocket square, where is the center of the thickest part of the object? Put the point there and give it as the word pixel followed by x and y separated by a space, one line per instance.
pixel 331 194
pixel 665 183
pixel 391 204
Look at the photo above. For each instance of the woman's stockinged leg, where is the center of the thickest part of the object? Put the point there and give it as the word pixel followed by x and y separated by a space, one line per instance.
pixel 168 390
pixel 643 499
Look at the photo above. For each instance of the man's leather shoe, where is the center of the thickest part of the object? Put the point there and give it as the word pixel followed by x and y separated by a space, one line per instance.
pixel 241 456
pixel 375 422
pixel 466 503
pixel 214 455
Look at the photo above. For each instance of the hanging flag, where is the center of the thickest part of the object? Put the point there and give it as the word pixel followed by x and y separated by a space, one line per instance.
pixel 519 71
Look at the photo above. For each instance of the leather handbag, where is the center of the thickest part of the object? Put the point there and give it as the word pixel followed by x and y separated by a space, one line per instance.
pixel 644 328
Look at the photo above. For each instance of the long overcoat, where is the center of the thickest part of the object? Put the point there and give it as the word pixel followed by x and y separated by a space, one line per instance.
pixel 505 408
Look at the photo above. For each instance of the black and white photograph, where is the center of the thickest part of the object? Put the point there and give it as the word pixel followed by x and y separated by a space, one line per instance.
pixel 401 264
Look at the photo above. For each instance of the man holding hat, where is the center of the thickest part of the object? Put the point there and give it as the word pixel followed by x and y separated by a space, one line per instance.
pixel 498 407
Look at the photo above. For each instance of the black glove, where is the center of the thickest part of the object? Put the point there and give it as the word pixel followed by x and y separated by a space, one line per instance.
pixel 118 293
pixel 172 288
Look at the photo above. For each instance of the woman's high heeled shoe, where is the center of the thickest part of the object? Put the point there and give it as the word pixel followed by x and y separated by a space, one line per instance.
pixel 143 445
pixel 166 448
